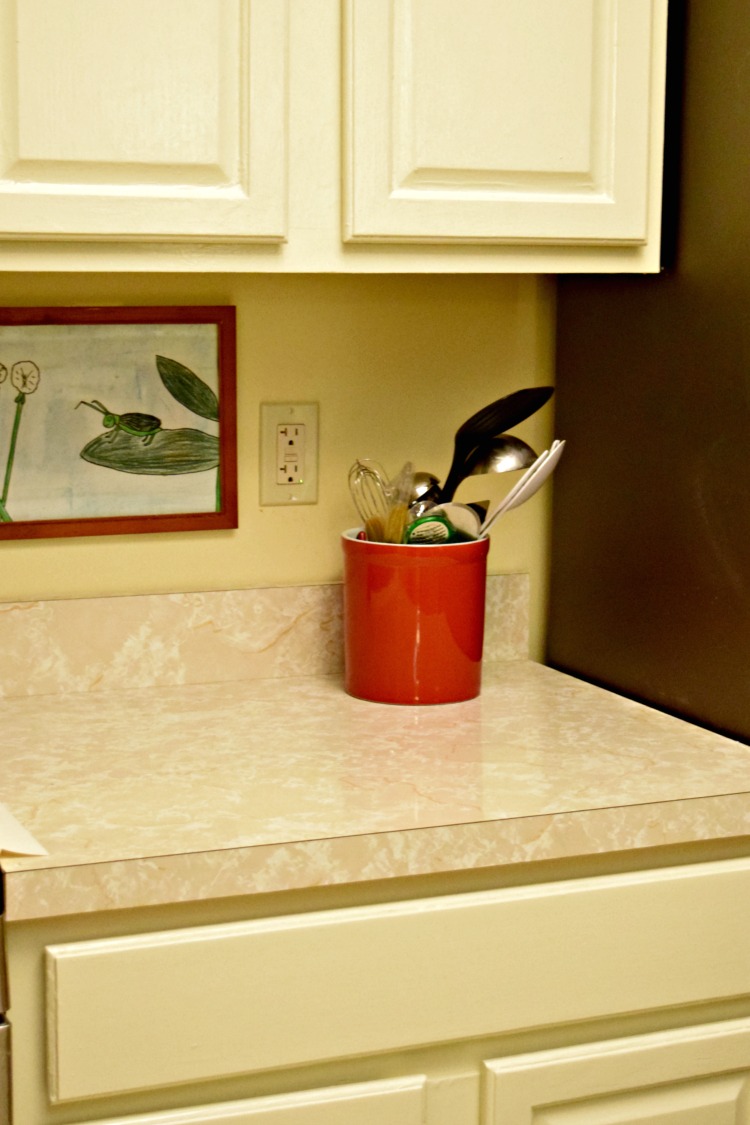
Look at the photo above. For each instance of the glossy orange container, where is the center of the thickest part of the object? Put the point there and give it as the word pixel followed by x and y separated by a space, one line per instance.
pixel 414 620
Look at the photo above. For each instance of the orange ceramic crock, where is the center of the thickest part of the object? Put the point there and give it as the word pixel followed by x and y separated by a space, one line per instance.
pixel 414 620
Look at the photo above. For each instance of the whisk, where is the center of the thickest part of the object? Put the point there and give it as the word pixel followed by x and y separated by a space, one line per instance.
pixel 369 488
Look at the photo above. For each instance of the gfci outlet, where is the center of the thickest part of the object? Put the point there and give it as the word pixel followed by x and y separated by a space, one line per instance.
pixel 289 453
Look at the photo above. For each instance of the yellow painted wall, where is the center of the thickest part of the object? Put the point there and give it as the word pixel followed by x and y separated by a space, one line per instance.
pixel 396 364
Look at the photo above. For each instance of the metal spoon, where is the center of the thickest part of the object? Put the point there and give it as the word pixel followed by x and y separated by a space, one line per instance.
pixel 488 422
pixel 500 455
pixel 426 486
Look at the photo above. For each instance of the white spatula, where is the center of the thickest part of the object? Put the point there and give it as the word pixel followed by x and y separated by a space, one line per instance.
pixel 533 479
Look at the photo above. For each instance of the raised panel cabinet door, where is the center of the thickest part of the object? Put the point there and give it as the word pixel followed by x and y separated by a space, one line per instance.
pixel 693 1076
pixel 129 119
pixel 500 120
pixel 398 1101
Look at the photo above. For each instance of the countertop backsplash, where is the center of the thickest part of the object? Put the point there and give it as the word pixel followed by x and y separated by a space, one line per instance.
pixel 153 640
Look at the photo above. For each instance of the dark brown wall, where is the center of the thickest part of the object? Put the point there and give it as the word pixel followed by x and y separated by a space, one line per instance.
pixel 650 584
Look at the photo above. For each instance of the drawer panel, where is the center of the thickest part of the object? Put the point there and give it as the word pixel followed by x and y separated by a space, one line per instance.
pixel 192 1004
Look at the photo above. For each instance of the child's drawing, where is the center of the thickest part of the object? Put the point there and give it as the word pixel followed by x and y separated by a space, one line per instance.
pixel 114 431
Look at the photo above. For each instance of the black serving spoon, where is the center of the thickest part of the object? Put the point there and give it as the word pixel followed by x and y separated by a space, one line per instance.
pixel 489 422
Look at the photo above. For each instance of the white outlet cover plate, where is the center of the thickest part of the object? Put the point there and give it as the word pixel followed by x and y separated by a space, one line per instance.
pixel 272 415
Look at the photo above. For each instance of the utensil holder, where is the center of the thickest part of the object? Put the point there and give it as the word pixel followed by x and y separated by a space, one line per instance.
pixel 413 620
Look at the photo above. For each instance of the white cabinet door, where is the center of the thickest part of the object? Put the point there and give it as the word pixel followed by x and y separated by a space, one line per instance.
pixel 697 1076
pixel 143 119
pixel 398 1101
pixel 499 120
pixel 4 1073
pixel 408 1100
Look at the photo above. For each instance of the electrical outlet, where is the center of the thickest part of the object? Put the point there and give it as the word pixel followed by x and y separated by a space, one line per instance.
pixel 288 453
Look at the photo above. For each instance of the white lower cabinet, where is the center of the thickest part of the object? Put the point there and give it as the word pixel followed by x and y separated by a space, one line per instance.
pixel 436 1010
pixel 693 1076
pixel 409 1100
pixel 698 1076
pixel 398 1102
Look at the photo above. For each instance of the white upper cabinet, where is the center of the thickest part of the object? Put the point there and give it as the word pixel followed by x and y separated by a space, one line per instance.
pixel 145 119
pixel 332 135
pixel 501 120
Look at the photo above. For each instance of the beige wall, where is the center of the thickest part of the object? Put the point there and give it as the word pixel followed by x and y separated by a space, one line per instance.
pixel 396 364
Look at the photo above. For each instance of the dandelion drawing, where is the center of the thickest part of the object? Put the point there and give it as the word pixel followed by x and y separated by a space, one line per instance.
pixel 24 377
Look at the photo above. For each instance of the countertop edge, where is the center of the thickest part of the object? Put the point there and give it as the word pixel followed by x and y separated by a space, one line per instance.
pixel 44 892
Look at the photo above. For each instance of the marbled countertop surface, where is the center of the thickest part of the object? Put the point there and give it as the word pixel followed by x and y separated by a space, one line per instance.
pixel 175 793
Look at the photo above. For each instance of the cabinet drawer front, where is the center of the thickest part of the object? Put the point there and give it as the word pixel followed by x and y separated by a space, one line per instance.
pixel 192 1004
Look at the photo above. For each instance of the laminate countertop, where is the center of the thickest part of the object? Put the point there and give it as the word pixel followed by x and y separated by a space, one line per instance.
pixel 179 793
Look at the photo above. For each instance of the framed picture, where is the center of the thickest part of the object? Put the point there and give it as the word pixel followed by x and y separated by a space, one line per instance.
pixel 117 420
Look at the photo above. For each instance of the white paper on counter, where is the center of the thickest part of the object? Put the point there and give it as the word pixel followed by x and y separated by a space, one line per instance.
pixel 14 838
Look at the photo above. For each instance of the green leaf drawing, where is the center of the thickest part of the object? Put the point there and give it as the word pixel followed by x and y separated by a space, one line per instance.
pixel 166 453
pixel 189 390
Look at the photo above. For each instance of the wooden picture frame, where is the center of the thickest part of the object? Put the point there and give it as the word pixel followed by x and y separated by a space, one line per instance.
pixel 131 425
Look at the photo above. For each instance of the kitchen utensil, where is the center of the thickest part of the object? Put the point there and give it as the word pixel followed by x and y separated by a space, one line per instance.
pixel 426 486
pixel 399 493
pixel 530 482
pixel 516 490
pixel 539 476
pixel 502 454
pixel 369 490
pixel 419 508
pixel 488 422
